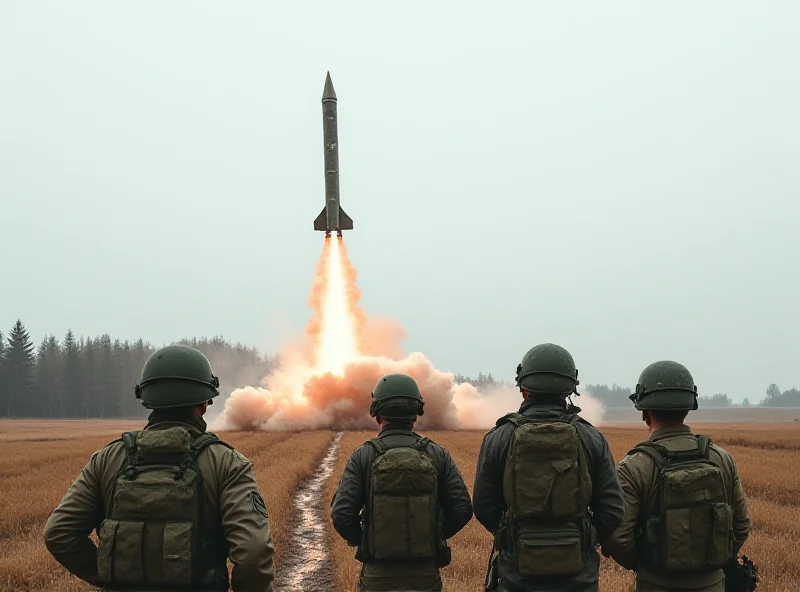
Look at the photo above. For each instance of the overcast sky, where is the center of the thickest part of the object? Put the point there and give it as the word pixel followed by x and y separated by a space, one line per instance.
pixel 620 178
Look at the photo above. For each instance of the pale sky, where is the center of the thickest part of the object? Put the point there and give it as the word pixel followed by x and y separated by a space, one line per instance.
pixel 620 178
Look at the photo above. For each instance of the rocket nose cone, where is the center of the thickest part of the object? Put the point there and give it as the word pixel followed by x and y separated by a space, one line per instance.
pixel 328 92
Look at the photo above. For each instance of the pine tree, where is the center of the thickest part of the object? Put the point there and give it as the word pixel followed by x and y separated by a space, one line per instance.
pixel 49 377
pixel 123 382
pixel 18 371
pixel 89 398
pixel 107 402
pixel 72 376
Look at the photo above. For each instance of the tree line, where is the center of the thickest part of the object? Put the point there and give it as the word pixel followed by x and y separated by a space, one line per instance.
pixel 484 382
pixel 619 396
pixel 93 377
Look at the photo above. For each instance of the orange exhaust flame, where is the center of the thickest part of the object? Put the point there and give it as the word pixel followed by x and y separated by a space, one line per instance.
pixel 337 338
pixel 326 381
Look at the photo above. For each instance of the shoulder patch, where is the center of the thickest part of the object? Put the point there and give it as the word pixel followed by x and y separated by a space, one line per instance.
pixel 258 504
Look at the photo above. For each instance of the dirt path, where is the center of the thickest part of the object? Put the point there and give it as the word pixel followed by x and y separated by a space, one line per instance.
pixel 307 564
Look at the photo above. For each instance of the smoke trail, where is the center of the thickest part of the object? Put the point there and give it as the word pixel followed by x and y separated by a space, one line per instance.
pixel 326 380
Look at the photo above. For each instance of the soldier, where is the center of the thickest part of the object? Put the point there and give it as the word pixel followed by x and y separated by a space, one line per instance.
pixel 546 484
pixel 170 503
pixel 400 497
pixel 685 512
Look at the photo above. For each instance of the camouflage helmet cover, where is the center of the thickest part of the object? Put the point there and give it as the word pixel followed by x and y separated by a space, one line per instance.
pixel 548 368
pixel 394 388
pixel 665 386
pixel 176 376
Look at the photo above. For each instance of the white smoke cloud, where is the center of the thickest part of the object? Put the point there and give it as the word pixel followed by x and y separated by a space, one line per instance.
pixel 294 398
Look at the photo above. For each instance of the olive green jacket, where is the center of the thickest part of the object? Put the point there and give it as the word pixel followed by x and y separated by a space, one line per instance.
pixel 228 483
pixel 637 475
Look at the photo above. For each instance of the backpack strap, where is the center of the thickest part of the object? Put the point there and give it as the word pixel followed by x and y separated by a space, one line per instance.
pixel 202 442
pixel 131 454
pixel 662 456
pixel 379 445
pixel 657 452
pixel 574 418
pixel 515 418
pixel 703 445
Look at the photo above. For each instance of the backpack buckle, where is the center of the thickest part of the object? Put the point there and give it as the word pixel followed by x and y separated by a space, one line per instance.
pixel 181 469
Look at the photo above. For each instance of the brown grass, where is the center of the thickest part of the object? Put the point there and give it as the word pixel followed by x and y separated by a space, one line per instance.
pixel 36 468
pixel 34 475
pixel 768 463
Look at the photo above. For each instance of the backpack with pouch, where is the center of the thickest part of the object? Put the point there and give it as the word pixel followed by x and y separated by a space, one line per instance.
pixel 547 488
pixel 690 529
pixel 403 504
pixel 152 536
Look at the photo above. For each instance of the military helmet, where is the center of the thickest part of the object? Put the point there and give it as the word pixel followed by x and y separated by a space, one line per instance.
pixel 176 376
pixel 394 388
pixel 665 386
pixel 548 368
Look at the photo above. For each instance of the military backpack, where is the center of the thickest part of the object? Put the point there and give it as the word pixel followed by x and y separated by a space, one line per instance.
pixel 152 536
pixel 403 504
pixel 690 529
pixel 547 488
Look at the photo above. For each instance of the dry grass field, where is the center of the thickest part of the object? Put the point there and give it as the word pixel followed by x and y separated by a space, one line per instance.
pixel 769 465
pixel 38 461
pixel 37 467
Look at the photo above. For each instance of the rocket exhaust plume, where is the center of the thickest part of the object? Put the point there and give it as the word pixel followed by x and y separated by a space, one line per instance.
pixel 325 381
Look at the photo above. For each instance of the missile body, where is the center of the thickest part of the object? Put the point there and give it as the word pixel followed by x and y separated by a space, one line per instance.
pixel 332 217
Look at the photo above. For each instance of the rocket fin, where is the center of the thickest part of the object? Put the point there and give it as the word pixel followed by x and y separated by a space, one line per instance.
pixel 321 223
pixel 345 221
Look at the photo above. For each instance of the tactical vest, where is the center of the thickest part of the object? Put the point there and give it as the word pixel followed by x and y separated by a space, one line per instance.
pixel 691 527
pixel 546 526
pixel 402 521
pixel 153 537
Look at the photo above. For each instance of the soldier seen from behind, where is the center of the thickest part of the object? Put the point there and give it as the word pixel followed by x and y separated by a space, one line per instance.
pixel 686 514
pixel 400 497
pixel 171 503
pixel 546 485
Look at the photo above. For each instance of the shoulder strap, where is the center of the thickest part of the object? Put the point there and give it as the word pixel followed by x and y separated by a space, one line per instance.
pixel 658 453
pixel 663 456
pixel 129 439
pixel 379 445
pixel 546 416
pixel 574 418
pixel 703 445
pixel 202 442
pixel 131 454
pixel 515 418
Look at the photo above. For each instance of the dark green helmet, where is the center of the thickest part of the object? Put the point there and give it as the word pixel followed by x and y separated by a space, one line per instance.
pixel 548 369
pixel 665 386
pixel 399 393
pixel 176 376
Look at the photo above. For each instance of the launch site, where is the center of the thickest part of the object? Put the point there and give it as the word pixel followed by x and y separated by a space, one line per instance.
pixel 615 184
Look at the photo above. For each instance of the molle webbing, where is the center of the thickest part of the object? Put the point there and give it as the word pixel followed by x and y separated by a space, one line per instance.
pixel 152 537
